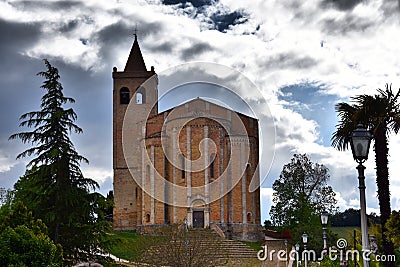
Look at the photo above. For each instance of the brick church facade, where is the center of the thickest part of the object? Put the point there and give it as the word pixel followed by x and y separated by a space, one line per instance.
pixel 193 163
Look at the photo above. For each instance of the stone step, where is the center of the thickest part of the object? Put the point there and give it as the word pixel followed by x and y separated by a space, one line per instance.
pixel 230 249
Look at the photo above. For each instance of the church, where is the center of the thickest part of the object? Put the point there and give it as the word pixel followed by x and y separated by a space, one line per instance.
pixel 194 163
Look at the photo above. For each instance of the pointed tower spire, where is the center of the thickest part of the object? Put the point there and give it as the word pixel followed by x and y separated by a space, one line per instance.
pixel 135 60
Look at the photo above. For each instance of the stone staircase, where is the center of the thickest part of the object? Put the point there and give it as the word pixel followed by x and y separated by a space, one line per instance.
pixel 238 250
pixel 206 242
pixel 230 249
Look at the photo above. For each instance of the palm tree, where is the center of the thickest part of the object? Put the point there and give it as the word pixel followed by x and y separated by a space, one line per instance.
pixel 381 113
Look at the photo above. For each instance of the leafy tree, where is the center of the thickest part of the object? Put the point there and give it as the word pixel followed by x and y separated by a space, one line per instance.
pixel 393 228
pixel 351 217
pixel 301 190
pixel 300 194
pixel 381 113
pixel 23 239
pixel 267 224
pixel 54 187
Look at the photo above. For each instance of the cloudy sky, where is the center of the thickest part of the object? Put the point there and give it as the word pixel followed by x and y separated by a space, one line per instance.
pixel 304 56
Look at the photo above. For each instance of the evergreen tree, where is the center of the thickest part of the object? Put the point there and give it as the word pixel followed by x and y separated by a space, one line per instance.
pixel 54 187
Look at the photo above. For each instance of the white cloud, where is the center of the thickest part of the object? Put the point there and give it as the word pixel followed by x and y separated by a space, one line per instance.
pixel 100 175
pixel 71 51
pixel 6 163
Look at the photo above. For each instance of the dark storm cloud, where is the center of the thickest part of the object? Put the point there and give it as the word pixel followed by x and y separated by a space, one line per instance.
pixel 391 7
pixel 346 25
pixel 223 21
pixel 195 3
pixel 340 4
pixel 69 26
pixel 15 39
pixel 220 20
pixel 34 5
pixel 113 33
pixel 17 95
pixel 17 36
pixel 121 33
pixel 289 60
pixel 165 47
pixel 195 50
pixel 73 24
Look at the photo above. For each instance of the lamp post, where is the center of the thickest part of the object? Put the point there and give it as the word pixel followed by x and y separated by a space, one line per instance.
pixel 324 222
pixel 360 142
pixel 297 246
pixel 304 236
pixel 286 243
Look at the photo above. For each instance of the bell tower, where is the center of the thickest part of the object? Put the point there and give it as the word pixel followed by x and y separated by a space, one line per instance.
pixel 130 95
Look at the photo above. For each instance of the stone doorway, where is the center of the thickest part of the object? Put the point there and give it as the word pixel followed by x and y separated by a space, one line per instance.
pixel 198 219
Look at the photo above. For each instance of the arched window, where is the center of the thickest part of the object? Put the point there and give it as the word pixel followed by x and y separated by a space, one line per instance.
pixel 248 172
pixel 249 217
pixel 124 95
pixel 141 96
pixel 183 171
pixel 147 217
pixel 212 167
pixel 136 192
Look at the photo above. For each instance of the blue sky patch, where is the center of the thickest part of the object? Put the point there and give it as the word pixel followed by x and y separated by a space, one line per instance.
pixel 310 100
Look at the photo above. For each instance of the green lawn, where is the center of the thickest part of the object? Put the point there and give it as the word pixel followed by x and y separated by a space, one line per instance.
pixel 128 244
pixel 125 242
pixel 344 232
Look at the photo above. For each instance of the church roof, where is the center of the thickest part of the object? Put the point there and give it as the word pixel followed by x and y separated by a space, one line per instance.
pixel 135 60
pixel 200 99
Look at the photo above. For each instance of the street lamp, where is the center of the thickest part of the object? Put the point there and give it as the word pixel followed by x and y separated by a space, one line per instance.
pixel 297 246
pixel 286 243
pixel 304 236
pixel 360 142
pixel 324 222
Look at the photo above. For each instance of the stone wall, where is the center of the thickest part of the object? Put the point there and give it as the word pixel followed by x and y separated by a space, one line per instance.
pixel 241 231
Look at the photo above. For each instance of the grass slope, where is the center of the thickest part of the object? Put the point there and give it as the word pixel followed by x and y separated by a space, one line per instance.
pixel 345 232
pixel 125 244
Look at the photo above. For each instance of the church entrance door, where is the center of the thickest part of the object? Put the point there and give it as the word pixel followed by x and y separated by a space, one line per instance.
pixel 198 219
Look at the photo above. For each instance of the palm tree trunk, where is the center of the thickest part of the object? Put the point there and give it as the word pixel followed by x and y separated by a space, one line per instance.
pixel 382 182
